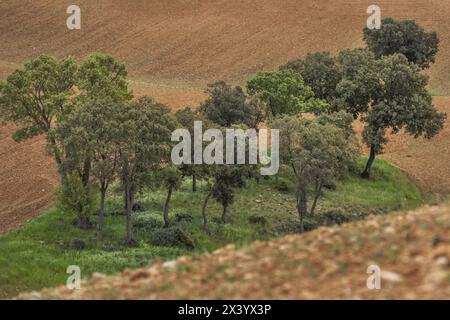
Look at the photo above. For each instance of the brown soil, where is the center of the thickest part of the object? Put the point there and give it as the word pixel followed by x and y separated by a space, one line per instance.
pixel 28 176
pixel 412 250
pixel 206 40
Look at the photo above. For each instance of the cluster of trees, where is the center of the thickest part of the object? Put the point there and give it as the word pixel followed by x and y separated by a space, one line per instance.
pixel 98 134
pixel 381 84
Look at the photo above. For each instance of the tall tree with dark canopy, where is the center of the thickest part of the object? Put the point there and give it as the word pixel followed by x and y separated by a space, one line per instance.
pixel 227 105
pixel 401 102
pixel 319 71
pixel 405 37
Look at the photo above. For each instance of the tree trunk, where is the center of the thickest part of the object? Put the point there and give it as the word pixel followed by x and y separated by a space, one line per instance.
pixel 101 218
pixel 86 171
pixel 52 141
pixel 84 223
pixel 316 197
pixel 366 173
pixel 166 208
pixel 194 183
pixel 224 214
pixel 129 200
pixel 204 213
pixel 301 205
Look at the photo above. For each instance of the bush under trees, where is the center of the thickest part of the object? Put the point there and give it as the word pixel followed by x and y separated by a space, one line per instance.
pixel 75 198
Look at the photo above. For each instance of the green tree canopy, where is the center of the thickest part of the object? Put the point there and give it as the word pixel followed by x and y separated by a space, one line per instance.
pixel 401 102
pixel 37 96
pixel 318 153
pixel 90 132
pixel 405 37
pixel 144 141
pixel 319 71
pixel 227 105
pixel 102 77
pixel 285 92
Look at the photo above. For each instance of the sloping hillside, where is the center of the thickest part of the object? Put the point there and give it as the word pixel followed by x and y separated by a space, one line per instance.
pixel 412 250
pixel 174 48
pixel 27 178
pixel 204 40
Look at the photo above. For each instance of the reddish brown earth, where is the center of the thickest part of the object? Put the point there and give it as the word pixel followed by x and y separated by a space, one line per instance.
pixel 174 48
pixel 27 178
pixel 411 249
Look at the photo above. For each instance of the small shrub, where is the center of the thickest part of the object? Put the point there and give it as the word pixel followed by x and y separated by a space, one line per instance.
pixel 138 207
pixel 109 246
pixel 330 186
pixel 257 219
pixel 219 220
pixel 333 217
pixel 282 185
pixel 147 222
pixel 172 237
pixel 294 227
pixel 117 213
pixel 184 217
pixel 78 244
pixel 73 197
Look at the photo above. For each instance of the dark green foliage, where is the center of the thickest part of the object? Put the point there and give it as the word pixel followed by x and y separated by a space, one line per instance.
pixel 186 118
pixel 227 105
pixel 342 119
pixel 257 219
pixel 143 138
pixel 49 236
pixel 359 81
pixel 401 102
pixel 317 152
pixel 38 95
pixel 73 197
pixel 173 236
pixel 101 77
pixel 138 207
pixel 405 37
pixel 147 222
pixel 184 217
pixel 333 217
pixel 320 72
pixel 282 185
pixel 78 244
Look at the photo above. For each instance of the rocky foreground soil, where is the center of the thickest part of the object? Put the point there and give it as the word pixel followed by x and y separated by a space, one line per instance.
pixel 412 250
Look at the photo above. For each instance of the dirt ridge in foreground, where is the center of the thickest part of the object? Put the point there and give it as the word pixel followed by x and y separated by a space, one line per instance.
pixel 412 250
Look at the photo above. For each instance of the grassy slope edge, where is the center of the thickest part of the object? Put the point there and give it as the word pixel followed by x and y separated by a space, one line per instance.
pixel 38 254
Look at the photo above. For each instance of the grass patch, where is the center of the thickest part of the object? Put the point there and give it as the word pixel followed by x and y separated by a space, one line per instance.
pixel 38 254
